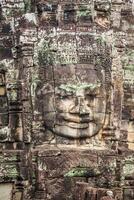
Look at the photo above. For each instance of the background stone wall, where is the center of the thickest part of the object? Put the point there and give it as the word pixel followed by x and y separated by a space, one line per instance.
pixel 35 34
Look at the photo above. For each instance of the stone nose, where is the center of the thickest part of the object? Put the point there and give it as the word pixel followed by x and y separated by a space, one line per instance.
pixel 79 107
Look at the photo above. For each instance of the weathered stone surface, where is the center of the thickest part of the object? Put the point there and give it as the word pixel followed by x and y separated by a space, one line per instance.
pixel 6 191
pixel 66 99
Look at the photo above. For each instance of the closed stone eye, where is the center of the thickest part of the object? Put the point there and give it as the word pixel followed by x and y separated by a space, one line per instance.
pixel 90 96
pixel 66 96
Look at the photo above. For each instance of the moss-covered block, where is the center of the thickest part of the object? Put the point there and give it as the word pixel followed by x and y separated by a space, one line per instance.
pixel 82 172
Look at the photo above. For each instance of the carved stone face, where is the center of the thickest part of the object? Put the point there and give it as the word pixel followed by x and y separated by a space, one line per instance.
pixel 74 104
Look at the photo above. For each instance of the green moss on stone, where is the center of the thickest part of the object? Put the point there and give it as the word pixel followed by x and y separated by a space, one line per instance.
pixel 27 5
pixel 74 88
pixel 12 172
pixel 45 55
pixel 83 13
pixel 129 67
pixel 1 159
pixel 82 172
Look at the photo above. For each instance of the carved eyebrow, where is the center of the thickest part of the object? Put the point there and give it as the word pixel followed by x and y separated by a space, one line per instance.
pixel 74 88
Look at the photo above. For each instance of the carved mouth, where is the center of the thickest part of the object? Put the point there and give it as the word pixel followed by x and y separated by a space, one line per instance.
pixel 77 125
pixel 74 125
pixel 74 121
pixel 76 118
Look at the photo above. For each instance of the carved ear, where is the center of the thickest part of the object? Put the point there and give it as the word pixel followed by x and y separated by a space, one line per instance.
pixel 103 63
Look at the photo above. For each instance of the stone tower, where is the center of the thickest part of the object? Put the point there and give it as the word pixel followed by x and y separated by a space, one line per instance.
pixel 66 100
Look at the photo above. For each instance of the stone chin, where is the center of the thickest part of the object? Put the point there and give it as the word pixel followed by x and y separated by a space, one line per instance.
pixel 76 131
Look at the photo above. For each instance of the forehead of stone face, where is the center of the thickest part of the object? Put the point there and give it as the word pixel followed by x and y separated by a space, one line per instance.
pixel 64 73
pixel 86 73
pixel 75 74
